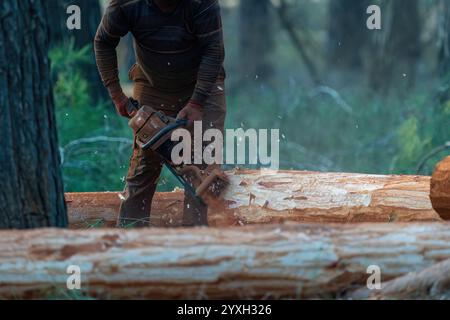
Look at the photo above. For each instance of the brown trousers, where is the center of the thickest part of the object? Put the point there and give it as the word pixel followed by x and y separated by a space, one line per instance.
pixel 145 166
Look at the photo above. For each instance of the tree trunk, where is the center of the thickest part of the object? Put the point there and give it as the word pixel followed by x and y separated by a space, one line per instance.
pixel 444 49
pixel 347 34
pixel 276 261
pixel 256 40
pixel 31 188
pixel 444 38
pixel 397 48
pixel 256 197
pixel 297 41
pixel 58 26
pixel 90 19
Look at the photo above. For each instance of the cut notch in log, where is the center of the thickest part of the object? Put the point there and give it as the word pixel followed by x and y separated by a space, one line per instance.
pixel 259 197
pixel 269 261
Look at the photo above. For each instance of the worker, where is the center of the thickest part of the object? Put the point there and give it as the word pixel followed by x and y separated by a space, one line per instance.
pixel 179 70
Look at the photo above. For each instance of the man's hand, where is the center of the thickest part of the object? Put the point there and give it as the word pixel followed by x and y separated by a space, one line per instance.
pixel 191 112
pixel 121 103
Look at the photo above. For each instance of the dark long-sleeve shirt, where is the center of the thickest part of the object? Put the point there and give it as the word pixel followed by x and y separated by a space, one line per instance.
pixel 175 51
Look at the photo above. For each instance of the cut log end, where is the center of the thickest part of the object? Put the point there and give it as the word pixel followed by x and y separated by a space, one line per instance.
pixel 440 189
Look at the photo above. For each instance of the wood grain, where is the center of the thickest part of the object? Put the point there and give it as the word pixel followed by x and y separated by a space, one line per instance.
pixel 260 197
pixel 268 261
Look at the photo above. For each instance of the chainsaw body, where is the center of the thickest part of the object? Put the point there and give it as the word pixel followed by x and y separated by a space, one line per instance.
pixel 153 130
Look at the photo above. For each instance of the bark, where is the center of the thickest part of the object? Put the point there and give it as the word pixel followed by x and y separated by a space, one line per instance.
pixel 256 197
pixel 58 30
pixel 440 189
pixel 31 188
pixel 273 261
pixel 431 283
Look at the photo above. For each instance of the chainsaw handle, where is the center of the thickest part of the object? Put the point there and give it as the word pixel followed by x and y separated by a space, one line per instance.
pixel 132 106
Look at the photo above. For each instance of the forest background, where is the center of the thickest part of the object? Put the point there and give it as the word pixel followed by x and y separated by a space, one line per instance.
pixel 344 97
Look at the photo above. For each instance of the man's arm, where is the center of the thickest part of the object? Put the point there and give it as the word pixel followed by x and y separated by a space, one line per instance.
pixel 208 29
pixel 114 25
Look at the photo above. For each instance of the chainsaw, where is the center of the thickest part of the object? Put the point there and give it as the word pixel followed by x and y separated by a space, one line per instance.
pixel 153 130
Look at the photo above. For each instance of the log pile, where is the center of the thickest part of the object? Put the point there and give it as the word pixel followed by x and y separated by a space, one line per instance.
pixel 258 197
pixel 271 261
pixel 294 235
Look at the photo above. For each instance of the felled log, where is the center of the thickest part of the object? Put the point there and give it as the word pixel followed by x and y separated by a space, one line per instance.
pixel 100 209
pixel 440 189
pixel 258 197
pixel 431 283
pixel 269 261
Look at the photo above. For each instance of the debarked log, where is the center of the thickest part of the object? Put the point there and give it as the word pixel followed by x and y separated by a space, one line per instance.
pixel 258 197
pixel 266 261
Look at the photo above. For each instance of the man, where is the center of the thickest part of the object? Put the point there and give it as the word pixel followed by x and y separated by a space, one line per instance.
pixel 179 70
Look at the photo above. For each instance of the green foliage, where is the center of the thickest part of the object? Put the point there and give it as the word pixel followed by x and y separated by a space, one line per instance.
pixel 426 128
pixel 66 58
pixel 70 87
pixel 411 145
pixel 96 165
pixel 349 131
